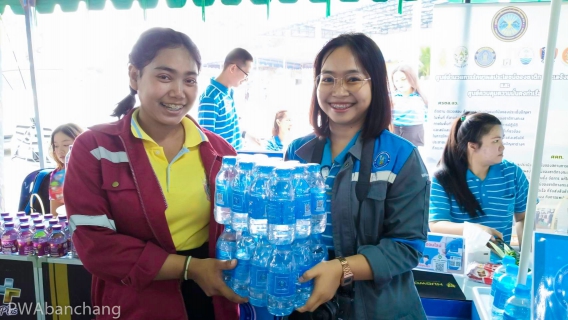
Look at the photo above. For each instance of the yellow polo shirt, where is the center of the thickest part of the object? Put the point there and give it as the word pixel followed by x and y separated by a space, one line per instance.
pixel 183 184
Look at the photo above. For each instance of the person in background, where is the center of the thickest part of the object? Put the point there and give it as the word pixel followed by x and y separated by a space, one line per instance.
pixel 474 183
pixel 280 132
pixel 379 241
pixel 217 111
pixel 61 138
pixel 138 193
pixel 409 105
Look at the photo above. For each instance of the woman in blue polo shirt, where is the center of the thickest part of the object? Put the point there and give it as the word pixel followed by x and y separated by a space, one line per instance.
pixel 473 183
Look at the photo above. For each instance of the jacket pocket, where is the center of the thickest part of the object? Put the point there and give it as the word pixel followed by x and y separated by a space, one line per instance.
pixel 117 177
pixel 373 211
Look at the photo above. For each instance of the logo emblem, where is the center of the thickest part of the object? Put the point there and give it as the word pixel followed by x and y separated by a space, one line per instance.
pixel 382 159
pixel 460 57
pixel 565 56
pixel 543 51
pixel 509 24
pixel 485 57
pixel 8 291
pixel 526 55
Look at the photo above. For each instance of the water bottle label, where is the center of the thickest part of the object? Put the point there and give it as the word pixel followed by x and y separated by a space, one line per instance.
pixel 501 299
pixel 318 203
pixel 283 285
pixel 58 249
pixel 220 199
pixel 281 212
pixel 258 277
pixel 25 248
pixel 303 207
pixel 41 249
pixel 257 208
pixel 239 202
pixel 9 246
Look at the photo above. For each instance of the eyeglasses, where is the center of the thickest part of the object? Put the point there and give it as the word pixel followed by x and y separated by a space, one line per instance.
pixel 351 82
pixel 243 71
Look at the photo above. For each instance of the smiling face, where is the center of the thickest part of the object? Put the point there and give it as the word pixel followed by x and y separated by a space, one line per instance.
pixel 344 108
pixel 491 150
pixel 167 87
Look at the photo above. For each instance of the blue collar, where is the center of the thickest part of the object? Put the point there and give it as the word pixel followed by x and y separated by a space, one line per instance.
pixel 221 87
pixel 326 157
pixel 495 171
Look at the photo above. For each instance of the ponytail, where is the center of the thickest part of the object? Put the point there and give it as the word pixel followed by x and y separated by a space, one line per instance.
pixel 125 105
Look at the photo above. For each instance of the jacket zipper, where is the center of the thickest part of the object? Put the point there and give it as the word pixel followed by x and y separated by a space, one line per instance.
pixel 146 215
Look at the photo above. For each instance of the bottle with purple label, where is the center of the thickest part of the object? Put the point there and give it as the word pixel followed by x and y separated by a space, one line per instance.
pixel 25 220
pixel 9 239
pixel 37 222
pixel 67 231
pixel 2 216
pixel 62 221
pixel 6 220
pixel 49 226
pixel 47 217
pixel 57 242
pixel 20 214
pixel 40 241
pixel 25 244
pixel 34 215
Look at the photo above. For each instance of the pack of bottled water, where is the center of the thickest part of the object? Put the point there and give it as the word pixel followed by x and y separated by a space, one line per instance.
pixel 35 234
pixel 274 214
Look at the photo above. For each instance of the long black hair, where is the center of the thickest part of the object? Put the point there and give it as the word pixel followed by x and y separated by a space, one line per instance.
pixel 146 49
pixel 368 54
pixel 452 168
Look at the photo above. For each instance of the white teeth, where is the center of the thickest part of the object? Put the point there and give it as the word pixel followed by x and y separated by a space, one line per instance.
pixel 174 107
pixel 340 106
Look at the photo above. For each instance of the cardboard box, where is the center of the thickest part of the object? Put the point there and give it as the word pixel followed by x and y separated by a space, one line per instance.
pixel 443 253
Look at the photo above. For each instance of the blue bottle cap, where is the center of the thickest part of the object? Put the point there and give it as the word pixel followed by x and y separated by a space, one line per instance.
pixel 229 160
pixel 508 260
pixel 265 168
pixel 314 167
pixel 246 165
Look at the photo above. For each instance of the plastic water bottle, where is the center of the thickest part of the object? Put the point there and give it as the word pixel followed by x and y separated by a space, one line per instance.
pixel 505 288
pixel 302 207
pixel 258 220
pixel 40 241
pixel 62 221
pixel 20 214
pixel 67 231
pixel 259 273
pixel 318 248
pixel 223 190
pixel 37 222
pixel 282 275
pixel 2 216
pixel 57 242
pixel 240 190
pixel 10 220
pixel 318 198
pixel 50 225
pixel 499 272
pixel 34 215
pixel 25 220
pixel 304 262
pixel 281 216
pixel 9 238
pixel 226 250
pixel 25 244
pixel 46 218
pixel 241 273
pixel 518 307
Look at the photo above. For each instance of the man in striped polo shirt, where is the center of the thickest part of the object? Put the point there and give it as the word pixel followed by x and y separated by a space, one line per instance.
pixel 217 111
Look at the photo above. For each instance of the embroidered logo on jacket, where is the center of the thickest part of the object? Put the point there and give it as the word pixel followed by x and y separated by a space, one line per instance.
pixel 382 159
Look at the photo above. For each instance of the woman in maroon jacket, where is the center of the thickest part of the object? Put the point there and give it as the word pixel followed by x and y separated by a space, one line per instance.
pixel 120 209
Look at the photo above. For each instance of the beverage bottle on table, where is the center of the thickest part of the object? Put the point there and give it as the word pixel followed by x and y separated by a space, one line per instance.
pixel 499 272
pixel 281 215
pixel 9 238
pixel 518 307
pixel 282 275
pixel 259 272
pixel 302 208
pixel 226 249
pixel 318 198
pixel 57 242
pixel 223 190
pixel 25 244
pixel 240 191
pixel 40 241
pixel 258 219
pixel 241 273
pixel 50 224
pixel 505 288
pixel 46 218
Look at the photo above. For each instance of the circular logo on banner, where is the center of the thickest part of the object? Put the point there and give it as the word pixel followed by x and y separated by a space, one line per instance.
pixel 460 57
pixel 509 24
pixel 485 57
pixel 565 56
pixel 526 55
pixel 382 160
pixel 543 52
